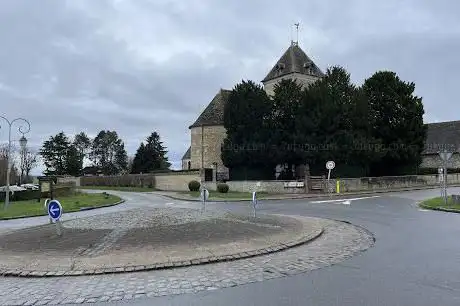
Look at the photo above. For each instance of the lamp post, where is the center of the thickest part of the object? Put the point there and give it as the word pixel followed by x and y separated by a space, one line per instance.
pixel 23 142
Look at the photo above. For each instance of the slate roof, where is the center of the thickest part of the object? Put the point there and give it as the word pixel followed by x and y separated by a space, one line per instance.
pixel 187 154
pixel 213 114
pixel 442 135
pixel 293 60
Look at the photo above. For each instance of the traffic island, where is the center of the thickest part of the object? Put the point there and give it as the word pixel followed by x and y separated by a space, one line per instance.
pixel 439 203
pixel 149 239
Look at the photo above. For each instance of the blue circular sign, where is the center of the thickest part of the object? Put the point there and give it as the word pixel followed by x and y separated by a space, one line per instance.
pixel 54 209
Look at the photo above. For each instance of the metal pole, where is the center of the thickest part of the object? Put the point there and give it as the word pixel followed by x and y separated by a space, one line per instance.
pixel 8 168
pixel 445 183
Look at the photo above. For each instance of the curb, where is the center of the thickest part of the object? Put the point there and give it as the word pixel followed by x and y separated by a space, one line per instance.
pixel 168 265
pixel 440 209
pixel 74 211
pixel 103 206
pixel 306 196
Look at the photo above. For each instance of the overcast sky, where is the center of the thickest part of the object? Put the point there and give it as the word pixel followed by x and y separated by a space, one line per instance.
pixel 136 66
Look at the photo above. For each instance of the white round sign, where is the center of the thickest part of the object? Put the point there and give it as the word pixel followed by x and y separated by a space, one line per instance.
pixel 330 165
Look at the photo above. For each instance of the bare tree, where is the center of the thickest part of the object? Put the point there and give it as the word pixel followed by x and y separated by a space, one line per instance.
pixel 4 166
pixel 28 161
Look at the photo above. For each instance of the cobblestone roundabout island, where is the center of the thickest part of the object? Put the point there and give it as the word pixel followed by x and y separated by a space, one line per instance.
pixel 162 251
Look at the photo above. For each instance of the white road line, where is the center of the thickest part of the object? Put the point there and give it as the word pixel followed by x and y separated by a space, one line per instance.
pixel 343 201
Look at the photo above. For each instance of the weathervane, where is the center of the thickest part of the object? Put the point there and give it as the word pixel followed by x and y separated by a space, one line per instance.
pixel 297 32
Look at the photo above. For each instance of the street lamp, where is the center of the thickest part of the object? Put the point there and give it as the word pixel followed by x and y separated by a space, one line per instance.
pixel 22 141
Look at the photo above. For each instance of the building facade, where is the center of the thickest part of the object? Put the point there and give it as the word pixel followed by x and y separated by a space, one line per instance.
pixel 207 133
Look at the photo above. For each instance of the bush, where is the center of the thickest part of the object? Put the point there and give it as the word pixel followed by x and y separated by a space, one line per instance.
pixel 194 186
pixel 222 188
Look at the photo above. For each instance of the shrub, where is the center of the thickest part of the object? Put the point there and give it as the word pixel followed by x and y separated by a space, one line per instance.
pixel 194 186
pixel 222 188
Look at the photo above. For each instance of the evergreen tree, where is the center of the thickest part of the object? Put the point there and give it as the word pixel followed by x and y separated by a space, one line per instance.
pixel 107 153
pixel 156 154
pixel 138 161
pixel 54 154
pixel 245 119
pixel 151 156
pixel 287 101
pixel 396 119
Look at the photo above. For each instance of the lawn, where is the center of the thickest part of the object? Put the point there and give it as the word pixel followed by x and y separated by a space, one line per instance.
pixel 438 203
pixel 70 203
pixel 229 195
pixel 119 188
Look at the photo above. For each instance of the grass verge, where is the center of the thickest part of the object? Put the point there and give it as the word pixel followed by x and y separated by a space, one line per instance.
pixel 438 204
pixel 119 188
pixel 72 203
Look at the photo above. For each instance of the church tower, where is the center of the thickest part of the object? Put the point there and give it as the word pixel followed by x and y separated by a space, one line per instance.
pixel 294 64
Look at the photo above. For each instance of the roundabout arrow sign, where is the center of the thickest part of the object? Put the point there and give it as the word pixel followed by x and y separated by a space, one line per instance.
pixel 54 209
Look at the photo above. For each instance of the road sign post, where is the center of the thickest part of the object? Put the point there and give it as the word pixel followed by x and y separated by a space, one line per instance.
pixel 445 157
pixel 204 198
pixel 329 166
pixel 254 202
pixel 55 212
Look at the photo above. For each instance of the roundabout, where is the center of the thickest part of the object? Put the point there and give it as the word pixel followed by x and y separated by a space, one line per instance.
pixel 153 250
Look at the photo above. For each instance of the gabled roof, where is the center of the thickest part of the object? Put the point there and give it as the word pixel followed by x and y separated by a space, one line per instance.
pixel 187 154
pixel 213 114
pixel 442 136
pixel 293 60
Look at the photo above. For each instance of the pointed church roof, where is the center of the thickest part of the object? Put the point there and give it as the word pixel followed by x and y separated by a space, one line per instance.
pixel 293 60
pixel 213 114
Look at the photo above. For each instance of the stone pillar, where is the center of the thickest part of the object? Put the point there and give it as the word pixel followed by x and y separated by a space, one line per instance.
pixel 307 178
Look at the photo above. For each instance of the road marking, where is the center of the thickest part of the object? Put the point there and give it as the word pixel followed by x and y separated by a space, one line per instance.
pixel 343 201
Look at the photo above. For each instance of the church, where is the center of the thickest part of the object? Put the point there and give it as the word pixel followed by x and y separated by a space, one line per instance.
pixel 207 133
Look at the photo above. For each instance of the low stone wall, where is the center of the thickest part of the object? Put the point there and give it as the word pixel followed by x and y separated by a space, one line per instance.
pixel 177 182
pixel 265 186
pixel 393 182
pixel 66 180
pixel 168 181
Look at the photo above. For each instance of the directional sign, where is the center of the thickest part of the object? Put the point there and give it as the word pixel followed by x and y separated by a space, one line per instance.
pixel 330 165
pixel 445 156
pixel 54 209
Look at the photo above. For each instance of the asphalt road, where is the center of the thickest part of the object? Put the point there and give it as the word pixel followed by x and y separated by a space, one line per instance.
pixel 415 261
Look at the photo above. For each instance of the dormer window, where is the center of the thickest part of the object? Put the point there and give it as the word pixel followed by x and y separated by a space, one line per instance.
pixel 280 66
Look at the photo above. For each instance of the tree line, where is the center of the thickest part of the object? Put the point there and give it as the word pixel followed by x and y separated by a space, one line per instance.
pixel 369 130
pixel 105 153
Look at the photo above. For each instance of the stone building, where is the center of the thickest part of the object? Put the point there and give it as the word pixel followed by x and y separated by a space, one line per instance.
pixel 208 132
pixel 442 136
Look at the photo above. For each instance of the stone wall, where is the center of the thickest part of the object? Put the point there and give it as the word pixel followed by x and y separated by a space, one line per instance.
pixel 177 181
pixel 263 186
pixel 302 79
pixel 68 180
pixel 434 161
pixel 185 164
pixel 212 141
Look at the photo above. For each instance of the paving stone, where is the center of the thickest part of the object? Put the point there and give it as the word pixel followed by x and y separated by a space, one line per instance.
pixel 339 242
